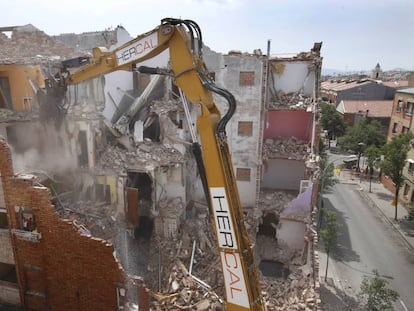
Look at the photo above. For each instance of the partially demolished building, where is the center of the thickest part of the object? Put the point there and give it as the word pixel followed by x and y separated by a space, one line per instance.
pixel 101 205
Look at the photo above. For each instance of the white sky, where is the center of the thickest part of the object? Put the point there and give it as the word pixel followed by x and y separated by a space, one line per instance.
pixel 356 34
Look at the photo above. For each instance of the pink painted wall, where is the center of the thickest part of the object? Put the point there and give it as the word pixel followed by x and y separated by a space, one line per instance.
pixel 287 124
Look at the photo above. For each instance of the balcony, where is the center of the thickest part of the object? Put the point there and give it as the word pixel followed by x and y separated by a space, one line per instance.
pixel 27 235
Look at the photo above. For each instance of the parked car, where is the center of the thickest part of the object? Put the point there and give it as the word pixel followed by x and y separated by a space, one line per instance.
pixel 350 161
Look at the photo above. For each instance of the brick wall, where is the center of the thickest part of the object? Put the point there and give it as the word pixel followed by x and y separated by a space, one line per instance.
pixel 63 270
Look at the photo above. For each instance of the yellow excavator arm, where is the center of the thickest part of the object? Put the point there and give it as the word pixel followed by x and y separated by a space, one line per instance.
pixel 183 38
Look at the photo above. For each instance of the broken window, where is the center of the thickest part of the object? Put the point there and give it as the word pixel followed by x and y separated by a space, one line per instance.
pixel 3 218
pixel 269 225
pixel 83 154
pixel 120 297
pixel 246 78
pixel 245 128
pixel 176 118
pixel 138 203
pixel 27 219
pixel 394 128
pixel 410 166
pixel 34 278
pixel 243 174
pixel 409 109
pixel 3 211
pixel 400 105
pixel 406 188
pixel 152 128
pixel 27 103
pixel 405 130
pixel 8 273
pixel 5 98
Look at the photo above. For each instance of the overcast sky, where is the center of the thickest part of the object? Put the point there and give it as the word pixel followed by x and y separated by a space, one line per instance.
pixel 356 34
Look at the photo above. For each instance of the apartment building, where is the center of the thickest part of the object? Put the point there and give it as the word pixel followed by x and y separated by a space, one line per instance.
pixel 401 122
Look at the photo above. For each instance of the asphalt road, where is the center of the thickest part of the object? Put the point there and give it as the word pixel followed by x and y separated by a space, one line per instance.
pixel 368 242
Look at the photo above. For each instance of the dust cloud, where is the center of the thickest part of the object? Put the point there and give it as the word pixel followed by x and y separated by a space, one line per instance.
pixel 41 147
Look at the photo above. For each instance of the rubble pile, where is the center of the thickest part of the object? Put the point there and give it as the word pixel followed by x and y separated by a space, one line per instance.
pixel 294 101
pixel 146 154
pixel 90 218
pixel 294 293
pixel 161 107
pixel 187 285
pixel 292 148
pixel 7 115
pixel 275 200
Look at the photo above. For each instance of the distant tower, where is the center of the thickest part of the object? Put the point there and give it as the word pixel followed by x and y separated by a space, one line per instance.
pixel 377 72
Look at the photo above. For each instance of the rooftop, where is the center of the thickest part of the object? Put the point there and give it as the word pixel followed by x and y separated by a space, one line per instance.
pixel 370 108
pixel 409 90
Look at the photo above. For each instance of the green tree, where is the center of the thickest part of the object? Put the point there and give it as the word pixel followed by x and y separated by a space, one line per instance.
pixel 326 180
pixel 327 177
pixel 329 235
pixel 375 295
pixel 368 132
pixel 372 153
pixel 332 121
pixel 395 154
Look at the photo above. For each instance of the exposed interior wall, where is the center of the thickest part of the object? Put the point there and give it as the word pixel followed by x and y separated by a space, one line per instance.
pixel 291 233
pixel 297 76
pixel 283 174
pixel 22 94
pixel 285 123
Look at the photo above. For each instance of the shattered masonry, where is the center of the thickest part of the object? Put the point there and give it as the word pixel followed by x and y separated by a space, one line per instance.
pixel 114 190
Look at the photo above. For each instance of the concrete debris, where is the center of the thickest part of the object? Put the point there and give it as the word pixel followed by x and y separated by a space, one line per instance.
pixel 161 107
pixel 291 148
pixel 293 293
pixel 147 154
pixel 175 288
pixel 295 101
pixel 90 218
pixel 275 200
pixel 7 115
pixel 178 289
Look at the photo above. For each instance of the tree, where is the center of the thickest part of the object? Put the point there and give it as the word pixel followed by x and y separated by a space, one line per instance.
pixel 329 235
pixel 374 294
pixel 332 121
pixel 395 153
pixel 326 173
pixel 368 132
pixel 326 180
pixel 371 154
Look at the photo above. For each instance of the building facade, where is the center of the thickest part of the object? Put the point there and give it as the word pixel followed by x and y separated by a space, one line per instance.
pixel 401 122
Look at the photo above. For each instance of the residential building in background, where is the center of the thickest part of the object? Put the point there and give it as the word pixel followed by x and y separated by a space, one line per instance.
pixel 354 110
pixel 401 122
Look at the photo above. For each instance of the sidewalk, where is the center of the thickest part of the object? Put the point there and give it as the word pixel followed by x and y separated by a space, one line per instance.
pixel 381 198
pixel 338 294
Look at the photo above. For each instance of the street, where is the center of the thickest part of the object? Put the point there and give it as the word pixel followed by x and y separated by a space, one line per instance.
pixel 367 242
